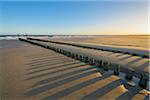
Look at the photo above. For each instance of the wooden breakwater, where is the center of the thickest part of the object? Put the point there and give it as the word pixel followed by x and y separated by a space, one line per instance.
pixel 95 57
pixel 131 51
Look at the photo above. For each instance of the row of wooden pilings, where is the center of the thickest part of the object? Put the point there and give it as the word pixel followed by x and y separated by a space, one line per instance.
pixel 100 63
pixel 91 47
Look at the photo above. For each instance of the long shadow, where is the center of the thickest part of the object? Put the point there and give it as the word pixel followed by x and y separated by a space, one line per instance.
pixel 109 53
pixel 102 52
pixel 115 54
pixel 103 91
pixel 105 53
pixel 33 72
pixel 51 63
pixel 43 58
pixel 76 87
pixel 126 57
pixel 44 81
pixel 49 73
pixel 143 66
pixel 134 61
pixel 45 61
pixel 48 55
pixel 130 93
pixel 35 55
pixel 44 88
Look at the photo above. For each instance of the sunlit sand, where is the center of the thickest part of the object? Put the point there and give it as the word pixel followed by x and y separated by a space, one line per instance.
pixel 31 72
pixel 133 41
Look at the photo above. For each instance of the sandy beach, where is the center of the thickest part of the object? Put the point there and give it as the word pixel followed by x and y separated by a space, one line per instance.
pixel 30 72
pixel 133 41
pixel 74 50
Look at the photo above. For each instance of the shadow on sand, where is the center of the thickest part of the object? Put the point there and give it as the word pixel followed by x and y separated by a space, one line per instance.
pixel 67 76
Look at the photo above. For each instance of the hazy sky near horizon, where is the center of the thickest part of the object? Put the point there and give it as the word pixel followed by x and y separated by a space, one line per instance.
pixel 76 17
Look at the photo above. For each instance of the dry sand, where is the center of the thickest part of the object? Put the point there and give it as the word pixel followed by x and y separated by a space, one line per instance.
pixel 134 41
pixel 29 72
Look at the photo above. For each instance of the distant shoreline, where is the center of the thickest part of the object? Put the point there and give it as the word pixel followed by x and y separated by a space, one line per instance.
pixel 70 35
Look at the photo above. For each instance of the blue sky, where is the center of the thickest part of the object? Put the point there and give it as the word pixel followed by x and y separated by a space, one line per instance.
pixel 76 17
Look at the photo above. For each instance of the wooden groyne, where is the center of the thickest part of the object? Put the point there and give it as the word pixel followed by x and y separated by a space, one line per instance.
pixel 99 58
pixel 131 51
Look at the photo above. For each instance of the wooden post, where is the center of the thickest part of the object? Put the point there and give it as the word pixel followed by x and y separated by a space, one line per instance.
pixel 143 81
pixel 129 74
pixel 86 59
pixel 116 69
pixel 69 54
pixel 91 61
pixel 65 52
pixel 105 65
pixel 60 51
pixel 81 58
pixel 57 50
pixel 76 56
pixel 99 63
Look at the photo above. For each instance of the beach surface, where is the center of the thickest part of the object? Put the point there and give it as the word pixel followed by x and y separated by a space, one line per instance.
pixel 129 41
pixel 30 72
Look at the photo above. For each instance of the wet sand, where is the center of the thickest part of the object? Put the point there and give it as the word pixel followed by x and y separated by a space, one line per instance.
pixel 29 72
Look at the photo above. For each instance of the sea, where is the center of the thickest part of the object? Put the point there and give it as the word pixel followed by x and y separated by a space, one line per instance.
pixel 9 38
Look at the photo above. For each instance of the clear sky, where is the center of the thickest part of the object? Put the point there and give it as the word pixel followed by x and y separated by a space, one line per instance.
pixel 74 17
